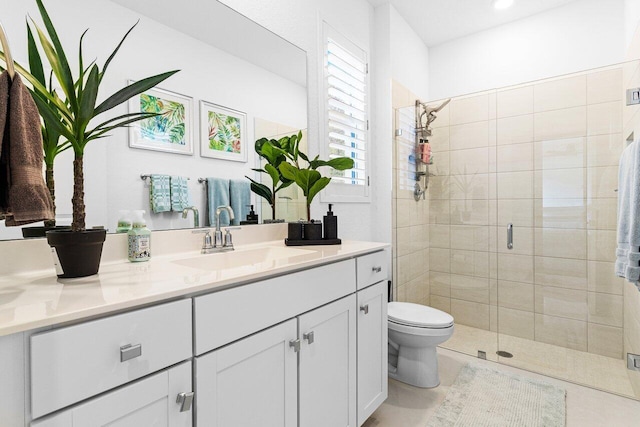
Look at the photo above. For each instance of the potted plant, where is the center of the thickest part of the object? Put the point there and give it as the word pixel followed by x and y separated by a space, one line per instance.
pixel 273 152
pixel 79 250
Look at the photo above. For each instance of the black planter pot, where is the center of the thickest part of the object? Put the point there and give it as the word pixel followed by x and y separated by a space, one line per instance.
pixel 79 252
pixel 33 232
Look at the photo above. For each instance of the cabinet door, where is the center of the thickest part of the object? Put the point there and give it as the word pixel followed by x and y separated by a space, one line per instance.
pixel 148 402
pixel 251 382
pixel 372 349
pixel 327 386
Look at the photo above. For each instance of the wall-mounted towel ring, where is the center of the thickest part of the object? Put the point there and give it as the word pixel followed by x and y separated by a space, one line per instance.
pixel 7 52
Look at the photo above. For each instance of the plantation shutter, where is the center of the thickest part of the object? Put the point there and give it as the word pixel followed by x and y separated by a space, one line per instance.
pixel 346 120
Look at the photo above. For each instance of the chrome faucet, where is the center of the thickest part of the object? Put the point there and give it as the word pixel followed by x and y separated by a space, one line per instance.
pixel 217 236
pixel 196 215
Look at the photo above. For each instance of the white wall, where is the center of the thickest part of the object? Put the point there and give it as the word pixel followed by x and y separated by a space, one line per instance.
pixel 409 56
pixel 631 20
pixel 581 35
pixel 112 169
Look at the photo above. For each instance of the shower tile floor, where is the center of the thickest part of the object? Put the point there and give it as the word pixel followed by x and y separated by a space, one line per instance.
pixel 601 372
pixel 409 406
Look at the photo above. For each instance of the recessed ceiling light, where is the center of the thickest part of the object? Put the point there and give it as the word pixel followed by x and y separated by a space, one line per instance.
pixel 502 4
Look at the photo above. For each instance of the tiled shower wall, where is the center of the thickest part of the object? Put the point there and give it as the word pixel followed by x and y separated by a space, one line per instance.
pixel 544 157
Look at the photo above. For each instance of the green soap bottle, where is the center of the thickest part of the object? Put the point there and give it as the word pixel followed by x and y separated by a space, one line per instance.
pixel 124 222
pixel 139 238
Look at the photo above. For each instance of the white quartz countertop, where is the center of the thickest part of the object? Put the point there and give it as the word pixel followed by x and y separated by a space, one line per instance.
pixel 37 299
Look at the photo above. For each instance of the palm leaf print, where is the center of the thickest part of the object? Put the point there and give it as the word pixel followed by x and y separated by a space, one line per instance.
pixel 224 133
pixel 169 125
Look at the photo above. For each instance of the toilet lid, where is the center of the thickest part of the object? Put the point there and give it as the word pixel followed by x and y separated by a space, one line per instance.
pixel 410 314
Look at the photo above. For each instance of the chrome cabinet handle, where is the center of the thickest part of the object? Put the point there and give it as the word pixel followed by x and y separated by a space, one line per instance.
pixel 509 236
pixel 308 337
pixel 365 308
pixel 128 352
pixel 295 344
pixel 185 400
pixel 376 269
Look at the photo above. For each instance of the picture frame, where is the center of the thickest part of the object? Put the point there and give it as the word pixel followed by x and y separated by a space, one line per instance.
pixel 171 131
pixel 223 133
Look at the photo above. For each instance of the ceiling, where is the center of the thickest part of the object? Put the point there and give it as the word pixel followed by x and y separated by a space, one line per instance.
pixel 438 21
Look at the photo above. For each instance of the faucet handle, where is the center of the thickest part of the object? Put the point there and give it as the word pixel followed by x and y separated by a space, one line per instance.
pixel 228 239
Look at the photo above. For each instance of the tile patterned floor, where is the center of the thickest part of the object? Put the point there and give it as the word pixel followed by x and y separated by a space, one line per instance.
pixel 409 406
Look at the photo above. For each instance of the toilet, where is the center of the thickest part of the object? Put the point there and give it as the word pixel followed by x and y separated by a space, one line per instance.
pixel 414 332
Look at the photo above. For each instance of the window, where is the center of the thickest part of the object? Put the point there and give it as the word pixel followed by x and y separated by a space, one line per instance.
pixel 346 122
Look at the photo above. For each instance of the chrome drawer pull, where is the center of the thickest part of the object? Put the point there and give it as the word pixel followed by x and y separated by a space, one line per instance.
pixel 376 269
pixel 128 352
pixel 365 308
pixel 295 344
pixel 308 337
pixel 185 400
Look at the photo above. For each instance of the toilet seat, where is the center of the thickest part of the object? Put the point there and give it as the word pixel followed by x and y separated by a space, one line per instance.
pixel 418 316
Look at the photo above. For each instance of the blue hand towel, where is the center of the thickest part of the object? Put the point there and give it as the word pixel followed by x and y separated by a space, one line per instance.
pixel 217 195
pixel 179 193
pixel 628 235
pixel 240 197
pixel 160 193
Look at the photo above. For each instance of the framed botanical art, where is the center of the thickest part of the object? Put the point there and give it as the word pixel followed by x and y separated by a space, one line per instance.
pixel 170 130
pixel 223 133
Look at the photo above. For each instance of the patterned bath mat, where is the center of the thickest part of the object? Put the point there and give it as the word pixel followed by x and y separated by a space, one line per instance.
pixel 485 397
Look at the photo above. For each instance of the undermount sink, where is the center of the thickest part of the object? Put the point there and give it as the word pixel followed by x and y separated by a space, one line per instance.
pixel 270 255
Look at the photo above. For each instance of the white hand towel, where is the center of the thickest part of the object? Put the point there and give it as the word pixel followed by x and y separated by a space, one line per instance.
pixel 628 251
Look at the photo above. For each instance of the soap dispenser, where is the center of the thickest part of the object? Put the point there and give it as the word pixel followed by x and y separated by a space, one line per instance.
pixel 139 238
pixel 124 222
pixel 252 218
pixel 330 224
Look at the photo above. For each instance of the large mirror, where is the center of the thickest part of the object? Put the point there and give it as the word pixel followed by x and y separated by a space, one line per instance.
pixel 226 60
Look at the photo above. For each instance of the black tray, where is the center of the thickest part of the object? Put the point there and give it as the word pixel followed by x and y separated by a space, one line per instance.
pixel 312 242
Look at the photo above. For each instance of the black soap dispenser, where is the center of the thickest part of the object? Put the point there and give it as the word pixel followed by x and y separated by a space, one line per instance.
pixel 330 225
pixel 252 218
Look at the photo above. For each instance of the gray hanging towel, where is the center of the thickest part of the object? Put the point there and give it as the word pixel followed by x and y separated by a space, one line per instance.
pixel 28 199
pixel 4 103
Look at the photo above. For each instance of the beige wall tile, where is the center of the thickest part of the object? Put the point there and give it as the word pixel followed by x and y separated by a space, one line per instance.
pixel 604 86
pixel 469 186
pixel 440 283
pixel 493 212
pixel 493 265
pixel 561 124
pixel 516 295
pixel 515 268
pixel 439 260
pixel 518 212
pixel 470 313
pixel 602 245
pixel 441 303
pixel 602 278
pixel 493 133
pixel 602 214
pixel 562 93
pixel 560 213
pixel 515 102
pixel 470 263
pixel 439 236
pixel 399 95
pixel 493 159
pixel 561 302
pixel 438 187
pixel 471 109
pixel 469 162
pixel 516 323
pixel 560 153
pixel 467 288
pixel 493 292
pixel 493 318
pixel 602 182
pixel 604 150
pixel 469 135
pixel 470 237
pixel 514 157
pixel 440 137
pixel 410 267
pixel 561 243
pixel 605 309
pixel 561 272
pixel 440 165
pixel 515 130
pixel 492 105
pixel 560 183
pixel 604 118
pixel 522 240
pixel 605 340
pixel 562 332
pixel 439 212
pixel 469 212
pixel 515 185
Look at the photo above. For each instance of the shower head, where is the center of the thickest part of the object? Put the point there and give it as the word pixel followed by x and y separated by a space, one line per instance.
pixel 432 110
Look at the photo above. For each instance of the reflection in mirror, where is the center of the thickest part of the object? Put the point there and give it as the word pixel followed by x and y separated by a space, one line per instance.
pixel 258 74
pixel 290 202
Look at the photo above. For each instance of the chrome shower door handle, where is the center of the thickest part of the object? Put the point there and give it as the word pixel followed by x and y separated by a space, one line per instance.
pixel 510 236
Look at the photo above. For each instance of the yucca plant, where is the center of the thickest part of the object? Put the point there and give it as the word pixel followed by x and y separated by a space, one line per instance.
pixel 71 117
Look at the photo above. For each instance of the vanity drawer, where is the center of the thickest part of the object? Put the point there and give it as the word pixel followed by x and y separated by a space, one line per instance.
pixel 74 363
pixel 372 268
pixel 226 316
